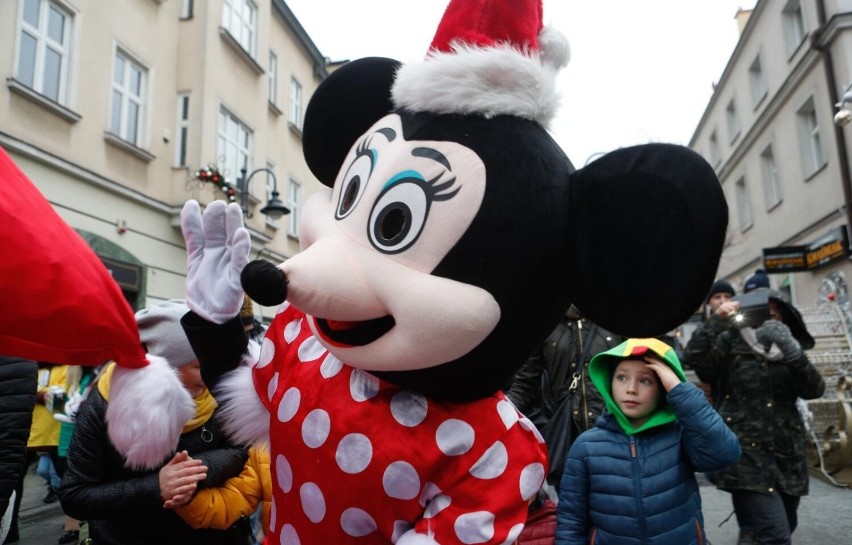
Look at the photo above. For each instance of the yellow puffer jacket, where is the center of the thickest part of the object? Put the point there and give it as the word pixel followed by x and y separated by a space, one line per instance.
pixel 221 507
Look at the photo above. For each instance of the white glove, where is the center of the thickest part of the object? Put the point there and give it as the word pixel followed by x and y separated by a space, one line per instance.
pixel 217 250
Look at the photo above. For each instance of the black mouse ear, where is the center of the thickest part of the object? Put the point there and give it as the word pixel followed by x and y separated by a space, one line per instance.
pixel 344 106
pixel 647 225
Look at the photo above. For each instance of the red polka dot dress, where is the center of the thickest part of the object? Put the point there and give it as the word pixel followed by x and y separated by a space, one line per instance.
pixel 358 460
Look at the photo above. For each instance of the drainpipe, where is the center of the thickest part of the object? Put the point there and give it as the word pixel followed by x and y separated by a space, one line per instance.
pixel 839 136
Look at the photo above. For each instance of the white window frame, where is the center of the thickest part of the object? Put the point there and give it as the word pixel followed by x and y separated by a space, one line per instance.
pixel 813 157
pixel 758 82
pixel 715 152
pixel 771 178
pixel 234 141
pixel 128 98
pixel 294 198
pixel 44 43
pixel 239 18
pixel 744 211
pixel 187 9
pixel 273 78
pixel 794 25
pixel 295 110
pixel 733 120
pixel 182 129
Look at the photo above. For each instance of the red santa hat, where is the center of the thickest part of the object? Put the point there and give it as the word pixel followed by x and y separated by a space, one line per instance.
pixel 61 305
pixel 488 57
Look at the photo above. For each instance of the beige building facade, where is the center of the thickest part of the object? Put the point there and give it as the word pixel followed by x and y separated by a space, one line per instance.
pixel 783 163
pixel 112 108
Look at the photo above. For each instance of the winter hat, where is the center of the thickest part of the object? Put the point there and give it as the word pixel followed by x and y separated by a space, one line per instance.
pixel 488 57
pixel 758 280
pixel 720 286
pixel 162 334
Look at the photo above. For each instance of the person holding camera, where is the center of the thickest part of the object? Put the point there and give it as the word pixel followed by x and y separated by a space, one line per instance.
pixel 761 369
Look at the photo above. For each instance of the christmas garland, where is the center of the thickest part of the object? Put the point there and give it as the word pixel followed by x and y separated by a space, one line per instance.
pixel 212 175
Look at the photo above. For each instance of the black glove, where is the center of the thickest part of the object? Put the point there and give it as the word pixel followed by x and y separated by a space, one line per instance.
pixel 778 333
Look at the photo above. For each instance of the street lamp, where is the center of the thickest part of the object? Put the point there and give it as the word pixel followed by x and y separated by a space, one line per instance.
pixel 274 208
pixel 844 116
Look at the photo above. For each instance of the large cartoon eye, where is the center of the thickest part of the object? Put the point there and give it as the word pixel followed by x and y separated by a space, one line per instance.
pixel 353 185
pixel 398 216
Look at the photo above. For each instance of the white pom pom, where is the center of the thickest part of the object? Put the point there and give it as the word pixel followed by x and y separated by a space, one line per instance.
pixel 553 47
pixel 147 410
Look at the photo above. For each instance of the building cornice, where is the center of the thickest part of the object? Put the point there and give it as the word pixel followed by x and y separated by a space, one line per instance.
pixel 280 8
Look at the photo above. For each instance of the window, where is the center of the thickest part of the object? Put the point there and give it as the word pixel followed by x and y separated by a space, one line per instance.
pixel 743 205
pixel 794 25
pixel 771 181
pixel 233 146
pixel 182 132
pixel 273 78
pixel 43 54
pixel 239 18
pixel 809 138
pixel 186 9
pixel 733 120
pixel 758 83
pixel 296 103
pixel 295 195
pixel 715 154
pixel 128 98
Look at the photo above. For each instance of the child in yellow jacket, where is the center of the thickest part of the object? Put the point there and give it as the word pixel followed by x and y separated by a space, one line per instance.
pixel 238 497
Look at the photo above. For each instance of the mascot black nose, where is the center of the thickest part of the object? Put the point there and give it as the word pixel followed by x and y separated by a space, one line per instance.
pixel 264 283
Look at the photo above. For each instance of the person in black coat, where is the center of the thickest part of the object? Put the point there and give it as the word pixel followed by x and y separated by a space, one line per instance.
pixel 18 382
pixel 129 506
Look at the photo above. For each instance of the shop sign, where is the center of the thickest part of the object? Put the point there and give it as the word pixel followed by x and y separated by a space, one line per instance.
pixel 832 246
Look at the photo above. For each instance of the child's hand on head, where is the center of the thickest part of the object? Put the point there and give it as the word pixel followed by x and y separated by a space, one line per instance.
pixel 666 373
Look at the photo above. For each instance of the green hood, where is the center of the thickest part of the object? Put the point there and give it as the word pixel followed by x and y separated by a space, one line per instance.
pixel 600 371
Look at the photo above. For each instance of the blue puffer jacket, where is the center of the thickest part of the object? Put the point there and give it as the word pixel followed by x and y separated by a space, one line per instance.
pixel 642 489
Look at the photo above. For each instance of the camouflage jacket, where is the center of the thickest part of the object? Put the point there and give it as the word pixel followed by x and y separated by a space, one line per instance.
pixel 757 400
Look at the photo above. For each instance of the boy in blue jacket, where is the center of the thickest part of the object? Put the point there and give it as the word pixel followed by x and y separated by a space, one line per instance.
pixel 631 479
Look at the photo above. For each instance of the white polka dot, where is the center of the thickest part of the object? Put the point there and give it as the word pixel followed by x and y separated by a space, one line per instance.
pixel 430 490
pixel 310 350
pixel 315 428
pixel 357 522
pixel 527 424
pixel 289 404
pixel 532 477
pixel 267 352
pixel 438 504
pixel 507 413
pixel 273 514
pixel 363 385
pixel 284 473
pixel 291 330
pixel 454 437
pixel 399 528
pixel 354 453
pixel 289 535
pixel 272 386
pixel 313 502
pixel 513 534
pixel 493 463
pixel 409 408
pixel 330 366
pixel 476 527
pixel 401 481
pixel 282 307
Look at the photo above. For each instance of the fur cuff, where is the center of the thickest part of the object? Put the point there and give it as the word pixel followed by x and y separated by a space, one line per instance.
pixel 488 81
pixel 244 417
pixel 147 410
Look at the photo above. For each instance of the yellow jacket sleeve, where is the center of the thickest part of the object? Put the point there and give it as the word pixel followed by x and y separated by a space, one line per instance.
pixel 221 507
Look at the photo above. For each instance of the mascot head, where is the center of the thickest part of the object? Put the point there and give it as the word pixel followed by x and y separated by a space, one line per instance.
pixel 456 232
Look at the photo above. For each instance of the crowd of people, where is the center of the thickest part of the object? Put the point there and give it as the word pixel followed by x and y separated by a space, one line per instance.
pixel 626 434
